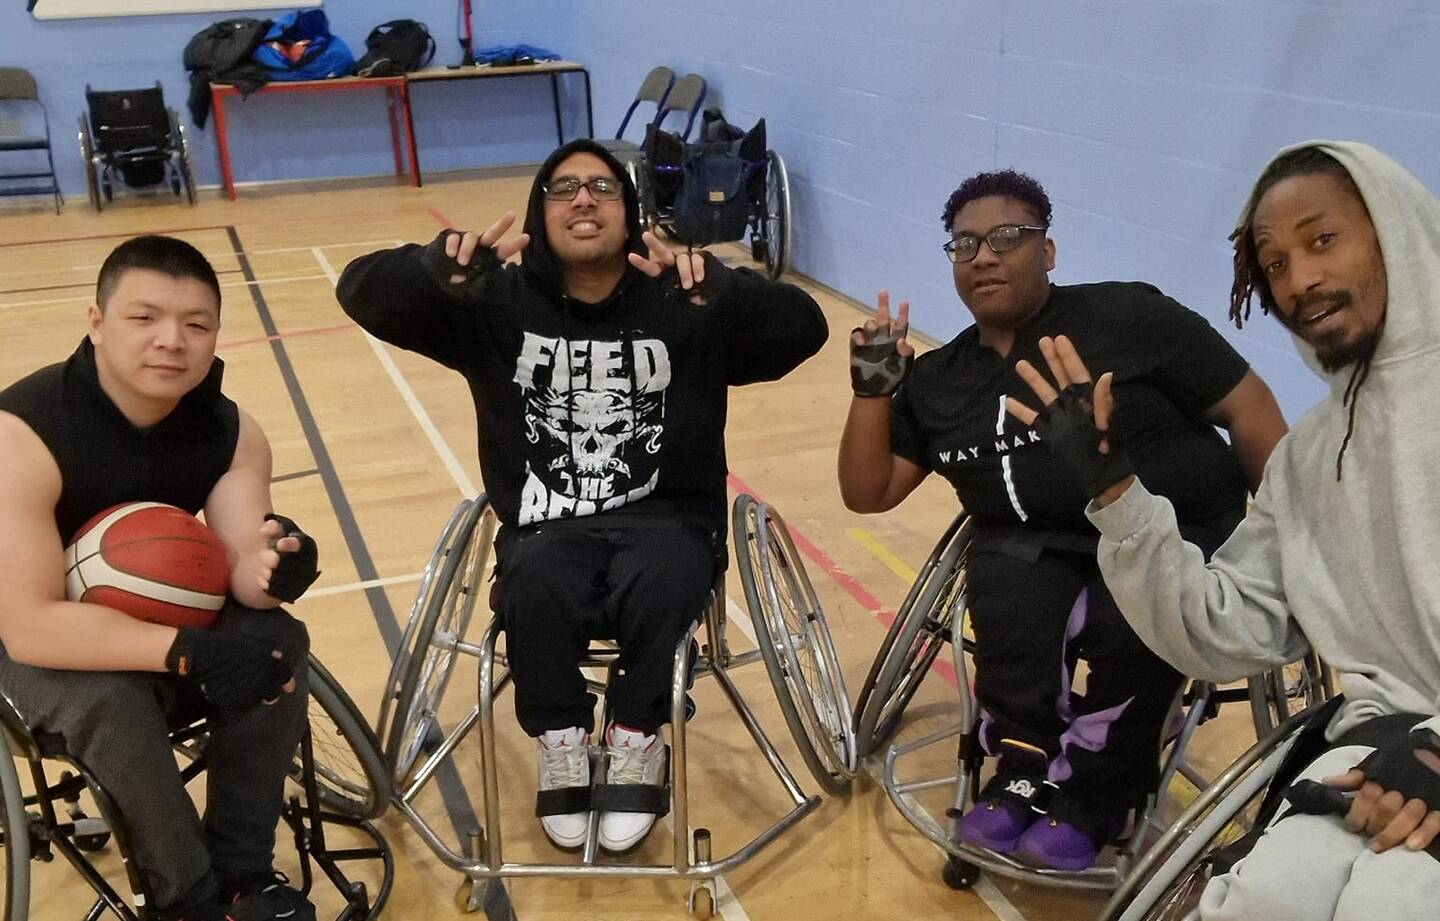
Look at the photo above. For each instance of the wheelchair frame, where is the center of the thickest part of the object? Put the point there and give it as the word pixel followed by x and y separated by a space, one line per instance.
pixel 307 817
pixel 420 673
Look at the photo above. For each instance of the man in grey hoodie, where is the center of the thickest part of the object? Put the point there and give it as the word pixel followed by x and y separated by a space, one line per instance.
pixel 1339 552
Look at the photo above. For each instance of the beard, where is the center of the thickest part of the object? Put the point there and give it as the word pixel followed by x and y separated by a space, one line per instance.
pixel 1334 354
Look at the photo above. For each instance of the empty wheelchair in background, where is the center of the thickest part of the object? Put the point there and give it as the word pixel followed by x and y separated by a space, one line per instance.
pixel 338 783
pixel 726 187
pixel 794 643
pixel 131 137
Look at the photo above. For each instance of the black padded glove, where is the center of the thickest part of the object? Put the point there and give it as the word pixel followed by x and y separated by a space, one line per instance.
pixel 712 288
pixel 1394 767
pixel 440 267
pixel 1068 427
pixel 296 571
pixel 232 671
pixel 877 367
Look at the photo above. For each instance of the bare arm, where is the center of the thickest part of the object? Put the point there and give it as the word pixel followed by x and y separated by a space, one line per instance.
pixel 37 625
pixel 1251 415
pixel 236 510
pixel 872 479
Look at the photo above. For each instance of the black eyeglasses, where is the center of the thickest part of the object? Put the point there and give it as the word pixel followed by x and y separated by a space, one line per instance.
pixel 1002 239
pixel 602 188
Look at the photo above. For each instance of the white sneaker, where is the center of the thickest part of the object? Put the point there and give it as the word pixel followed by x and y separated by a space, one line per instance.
pixel 564 763
pixel 635 758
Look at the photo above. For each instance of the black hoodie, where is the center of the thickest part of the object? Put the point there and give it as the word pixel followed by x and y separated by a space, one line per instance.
pixel 615 409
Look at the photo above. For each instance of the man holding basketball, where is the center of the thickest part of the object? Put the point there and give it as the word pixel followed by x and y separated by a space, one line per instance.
pixel 137 414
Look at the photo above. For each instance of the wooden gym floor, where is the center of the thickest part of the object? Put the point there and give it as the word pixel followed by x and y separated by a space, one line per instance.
pixel 374 447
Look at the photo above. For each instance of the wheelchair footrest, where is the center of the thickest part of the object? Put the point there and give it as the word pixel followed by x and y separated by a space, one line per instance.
pixel 632 797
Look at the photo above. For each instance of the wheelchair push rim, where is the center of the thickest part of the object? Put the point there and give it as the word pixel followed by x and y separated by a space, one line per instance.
pixel 795 644
pixel 776 219
pixel 15 828
pixel 442 615
pixel 922 626
pixel 349 772
pixel 1280 693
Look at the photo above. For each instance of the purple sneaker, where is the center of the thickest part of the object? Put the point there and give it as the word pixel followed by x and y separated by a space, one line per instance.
pixel 995 825
pixel 1057 845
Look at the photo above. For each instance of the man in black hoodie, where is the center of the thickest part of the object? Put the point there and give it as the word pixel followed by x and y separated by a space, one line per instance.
pixel 599 368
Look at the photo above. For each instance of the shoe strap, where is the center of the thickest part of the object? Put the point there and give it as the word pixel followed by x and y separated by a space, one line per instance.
pixel 562 801
pixel 632 797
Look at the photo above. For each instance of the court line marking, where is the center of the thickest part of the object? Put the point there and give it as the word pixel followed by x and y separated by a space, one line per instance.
pixel 293 334
pixel 457 471
pixel 881 552
pixel 367 583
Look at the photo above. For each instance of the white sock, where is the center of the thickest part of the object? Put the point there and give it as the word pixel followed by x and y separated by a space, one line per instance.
pixel 554 738
pixel 623 736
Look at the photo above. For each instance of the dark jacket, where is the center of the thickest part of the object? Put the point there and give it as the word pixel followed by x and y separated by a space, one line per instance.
pixel 220 53
pixel 613 410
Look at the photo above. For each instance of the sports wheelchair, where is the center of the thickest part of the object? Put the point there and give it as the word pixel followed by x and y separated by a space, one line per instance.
pixel 726 187
pixel 931 616
pixel 131 136
pixel 339 783
pixel 1221 825
pixel 793 641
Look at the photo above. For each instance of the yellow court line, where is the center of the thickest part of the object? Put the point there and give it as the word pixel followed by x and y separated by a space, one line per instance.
pixel 882 553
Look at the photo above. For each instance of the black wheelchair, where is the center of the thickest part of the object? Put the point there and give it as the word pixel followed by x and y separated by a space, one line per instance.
pixel 338 779
pixel 130 136
pixel 727 187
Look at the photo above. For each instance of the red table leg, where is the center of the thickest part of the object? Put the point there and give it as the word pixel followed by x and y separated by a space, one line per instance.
pixel 222 141
pixel 391 102
pixel 404 89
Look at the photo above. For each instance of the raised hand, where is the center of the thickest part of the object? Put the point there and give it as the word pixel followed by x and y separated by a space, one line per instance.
pixel 880 356
pixel 689 267
pixel 461 262
pixel 1075 419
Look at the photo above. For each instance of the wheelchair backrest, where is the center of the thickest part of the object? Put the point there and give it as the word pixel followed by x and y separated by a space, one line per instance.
pixel 710 189
pixel 123 120
pixel 654 88
pixel 685 96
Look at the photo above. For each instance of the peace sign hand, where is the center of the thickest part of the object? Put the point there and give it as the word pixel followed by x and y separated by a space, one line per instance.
pixel 686 270
pixel 880 357
pixel 1076 419
pixel 462 262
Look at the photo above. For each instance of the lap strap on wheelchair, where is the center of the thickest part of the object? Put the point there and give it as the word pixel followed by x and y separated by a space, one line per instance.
pixel 632 797
pixel 562 801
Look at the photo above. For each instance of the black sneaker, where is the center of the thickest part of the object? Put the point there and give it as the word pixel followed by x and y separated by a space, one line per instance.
pixel 268 897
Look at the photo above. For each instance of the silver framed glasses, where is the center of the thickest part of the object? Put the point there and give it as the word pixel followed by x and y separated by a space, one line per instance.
pixel 602 188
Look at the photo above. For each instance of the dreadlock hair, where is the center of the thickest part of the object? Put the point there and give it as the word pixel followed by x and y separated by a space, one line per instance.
pixel 1250 275
pixel 1006 182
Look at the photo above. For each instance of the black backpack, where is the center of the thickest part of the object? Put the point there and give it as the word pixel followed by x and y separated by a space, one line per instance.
pixel 396 47
pixel 710 188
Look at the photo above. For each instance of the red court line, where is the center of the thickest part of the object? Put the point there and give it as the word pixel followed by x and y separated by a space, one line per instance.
pixel 110 236
pixel 444 221
pixel 852 586
pixel 294 334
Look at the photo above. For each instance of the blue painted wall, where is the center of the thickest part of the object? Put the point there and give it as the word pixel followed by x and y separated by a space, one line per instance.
pixel 1146 119
pixel 458 125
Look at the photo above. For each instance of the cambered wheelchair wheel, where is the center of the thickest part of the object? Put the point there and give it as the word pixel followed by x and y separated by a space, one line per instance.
pixel 87 156
pixel 795 644
pixel 1280 693
pixel 349 770
pixel 14 839
pixel 775 222
pixel 449 590
pixel 922 627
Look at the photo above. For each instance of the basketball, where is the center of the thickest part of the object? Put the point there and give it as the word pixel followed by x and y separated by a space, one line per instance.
pixel 152 561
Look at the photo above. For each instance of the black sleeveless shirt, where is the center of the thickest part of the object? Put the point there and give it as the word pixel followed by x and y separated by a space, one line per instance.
pixel 105 459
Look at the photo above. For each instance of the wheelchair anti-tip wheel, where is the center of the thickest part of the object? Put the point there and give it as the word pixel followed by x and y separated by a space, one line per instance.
pixel 925 622
pixel 795 644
